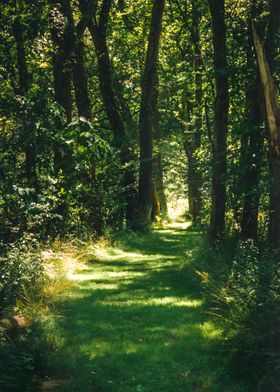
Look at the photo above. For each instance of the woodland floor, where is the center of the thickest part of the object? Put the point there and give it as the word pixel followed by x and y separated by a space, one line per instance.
pixel 134 320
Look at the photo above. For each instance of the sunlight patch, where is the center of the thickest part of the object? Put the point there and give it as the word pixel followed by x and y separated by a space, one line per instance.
pixel 165 301
pixel 105 275
pixel 115 254
pixel 174 301
pixel 210 331
pixel 179 225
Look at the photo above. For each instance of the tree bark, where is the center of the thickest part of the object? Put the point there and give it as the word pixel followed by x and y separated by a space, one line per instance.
pixel 159 198
pixel 146 117
pixel 192 141
pixel 252 149
pixel 61 38
pixel 217 225
pixel 272 45
pixel 273 119
pixel 273 40
pixel 92 198
pixel 62 79
pixel 98 31
pixel 29 135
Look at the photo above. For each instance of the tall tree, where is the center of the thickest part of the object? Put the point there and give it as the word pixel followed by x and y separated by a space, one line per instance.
pixel 219 170
pixel 62 79
pixel 192 140
pixel 76 47
pixel 24 81
pixel 83 103
pixel 61 58
pixel 272 40
pixel 159 198
pixel 272 53
pixel 251 147
pixel 97 26
pixel 273 120
pixel 148 85
pixel 62 83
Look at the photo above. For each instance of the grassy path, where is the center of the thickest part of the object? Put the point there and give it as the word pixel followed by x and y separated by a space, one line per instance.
pixel 135 322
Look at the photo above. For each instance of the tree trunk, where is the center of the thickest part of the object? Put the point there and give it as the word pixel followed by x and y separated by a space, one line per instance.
pixel 159 198
pixel 80 81
pixel 29 135
pixel 217 225
pixel 62 79
pixel 273 36
pixel 273 119
pixel 61 60
pixel 193 144
pixel 109 97
pixel 92 199
pixel 146 117
pixel 272 45
pixel 252 149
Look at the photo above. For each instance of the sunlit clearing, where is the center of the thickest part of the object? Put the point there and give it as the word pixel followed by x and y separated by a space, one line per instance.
pixel 177 208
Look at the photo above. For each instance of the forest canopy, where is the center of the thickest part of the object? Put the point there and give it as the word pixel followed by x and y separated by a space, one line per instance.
pixel 101 100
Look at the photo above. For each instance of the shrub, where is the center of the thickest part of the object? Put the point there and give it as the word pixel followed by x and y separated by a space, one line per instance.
pixel 246 301
pixel 20 268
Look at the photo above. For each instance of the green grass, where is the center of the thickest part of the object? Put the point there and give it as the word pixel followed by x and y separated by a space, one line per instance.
pixel 134 320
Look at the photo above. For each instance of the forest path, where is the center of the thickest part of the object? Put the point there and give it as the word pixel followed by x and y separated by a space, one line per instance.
pixel 135 321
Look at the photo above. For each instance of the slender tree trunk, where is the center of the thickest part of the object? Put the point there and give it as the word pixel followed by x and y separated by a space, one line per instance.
pixel 273 36
pixel 61 37
pixel 194 173
pixel 84 110
pixel 272 53
pixel 192 146
pixel 193 112
pixel 252 149
pixel 146 117
pixel 98 33
pixel 62 79
pixel 29 135
pixel 80 81
pixel 217 226
pixel 116 121
pixel 159 198
pixel 273 120
pixel 75 41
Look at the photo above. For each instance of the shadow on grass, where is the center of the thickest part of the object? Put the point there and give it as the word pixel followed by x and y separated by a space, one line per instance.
pixel 135 322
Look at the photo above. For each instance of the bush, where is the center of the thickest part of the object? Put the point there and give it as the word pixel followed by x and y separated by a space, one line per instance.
pixel 246 301
pixel 20 268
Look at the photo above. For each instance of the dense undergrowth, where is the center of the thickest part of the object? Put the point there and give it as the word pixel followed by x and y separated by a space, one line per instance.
pixel 32 278
pixel 241 284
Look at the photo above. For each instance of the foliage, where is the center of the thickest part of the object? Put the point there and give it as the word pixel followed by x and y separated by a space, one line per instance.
pixel 245 301
pixel 17 360
pixel 20 268
pixel 33 282
pixel 70 99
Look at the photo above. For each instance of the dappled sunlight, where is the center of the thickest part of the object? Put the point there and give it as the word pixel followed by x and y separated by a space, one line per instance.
pixel 162 301
pixel 132 311
pixel 117 254
pixel 177 208
pixel 98 275
pixel 211 331
pixel 178 226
